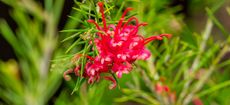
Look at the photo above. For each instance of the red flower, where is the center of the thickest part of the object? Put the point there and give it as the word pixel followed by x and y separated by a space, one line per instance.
pixel 118 46
pixel 161 88
pixel 197 101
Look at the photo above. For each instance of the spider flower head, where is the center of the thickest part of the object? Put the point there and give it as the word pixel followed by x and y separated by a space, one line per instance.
pixel 119 45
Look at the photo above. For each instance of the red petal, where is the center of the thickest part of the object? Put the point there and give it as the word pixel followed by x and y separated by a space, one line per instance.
pixel 100 4
pixel 76 71
pixel 92 21
pixel 158 88
pixel 145 54
pixel 166 89
pixel 121 20
pixel 119 74
pixel 114 83
pixel 197 101
pixel 159 37
pixel 66 74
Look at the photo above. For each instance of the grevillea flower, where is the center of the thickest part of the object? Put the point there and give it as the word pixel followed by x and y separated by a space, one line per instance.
pixel 119 45
pixel 162 89
pixel 197 101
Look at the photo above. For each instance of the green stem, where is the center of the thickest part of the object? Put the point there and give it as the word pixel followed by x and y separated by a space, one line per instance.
pixel 195 64
pixel 202 81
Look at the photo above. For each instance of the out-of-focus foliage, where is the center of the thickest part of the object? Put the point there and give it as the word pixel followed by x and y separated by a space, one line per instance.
pixel 192 65
pixel 28 81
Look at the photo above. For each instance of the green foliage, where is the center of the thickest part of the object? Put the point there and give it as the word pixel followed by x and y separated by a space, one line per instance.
pixel 28 81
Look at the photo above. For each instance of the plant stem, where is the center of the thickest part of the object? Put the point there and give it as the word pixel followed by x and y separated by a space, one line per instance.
pixel 201 82
pixel 195 64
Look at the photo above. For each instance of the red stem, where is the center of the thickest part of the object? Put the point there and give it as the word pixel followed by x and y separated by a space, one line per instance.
pixel 159 37
pixel 92 21
pixel 100 4
pixel 121 20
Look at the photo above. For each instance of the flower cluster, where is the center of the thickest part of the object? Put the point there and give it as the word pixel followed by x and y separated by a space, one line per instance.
pixel 164 90
pixel 118 47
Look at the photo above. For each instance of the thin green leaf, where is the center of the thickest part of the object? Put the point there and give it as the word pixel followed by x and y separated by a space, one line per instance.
pixel 74 30
pixel 49 5
pixel 83 12
pixel 9 36
pixel 216 22
pixel 71 37
pixel 214 88
pixel 57 9
pixel 74 44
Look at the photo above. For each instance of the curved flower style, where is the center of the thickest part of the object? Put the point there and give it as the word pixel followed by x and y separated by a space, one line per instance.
pixel 118 46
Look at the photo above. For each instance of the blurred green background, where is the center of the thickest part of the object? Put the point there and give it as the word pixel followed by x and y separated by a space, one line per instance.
pixel 38 38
